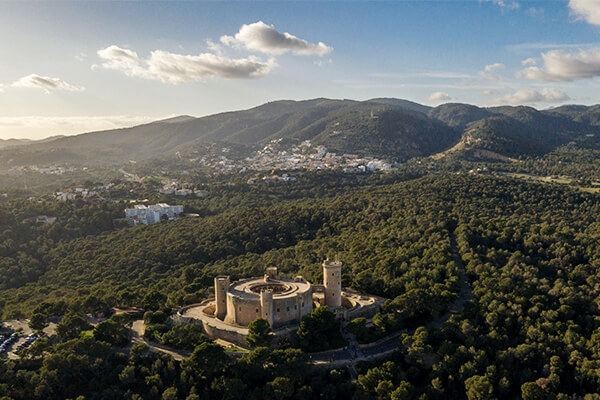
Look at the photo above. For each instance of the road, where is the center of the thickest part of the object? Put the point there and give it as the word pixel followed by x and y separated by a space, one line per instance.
pixel 138 328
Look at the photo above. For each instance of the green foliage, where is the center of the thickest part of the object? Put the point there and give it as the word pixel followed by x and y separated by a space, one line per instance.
pixel 530 329
pixel 112 332
pixel 320 331
pixel 186 337
pixel 38 322
pixel 71 326
pixel 259 333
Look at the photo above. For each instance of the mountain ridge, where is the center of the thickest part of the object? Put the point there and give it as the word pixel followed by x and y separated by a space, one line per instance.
pixel 395 129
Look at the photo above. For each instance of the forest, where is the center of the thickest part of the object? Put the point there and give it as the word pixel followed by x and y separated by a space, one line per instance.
pixel 531 252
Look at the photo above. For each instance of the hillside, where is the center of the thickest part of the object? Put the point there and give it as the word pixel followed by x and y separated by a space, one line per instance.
pixel 388 128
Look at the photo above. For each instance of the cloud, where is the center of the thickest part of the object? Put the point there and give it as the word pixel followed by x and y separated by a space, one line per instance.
pixel 492 92
pixel 562 66
pixel 439 96
pixel 530 61
pixel 512 5
pixel 529 96
pixel 589 10
pixel 179 68
pixel 494 67
pixel 46 83
pixel 488 70
pixel 265 38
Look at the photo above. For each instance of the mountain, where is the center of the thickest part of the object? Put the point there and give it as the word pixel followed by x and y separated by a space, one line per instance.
pixel 394 129
pixel 12 142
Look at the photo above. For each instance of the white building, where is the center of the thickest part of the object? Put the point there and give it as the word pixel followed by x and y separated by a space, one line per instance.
pixel 142 214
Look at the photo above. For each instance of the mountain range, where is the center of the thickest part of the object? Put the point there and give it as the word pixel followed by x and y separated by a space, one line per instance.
pixel 387 128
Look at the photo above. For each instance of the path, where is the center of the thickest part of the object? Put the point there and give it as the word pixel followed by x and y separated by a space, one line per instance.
pixel 138 328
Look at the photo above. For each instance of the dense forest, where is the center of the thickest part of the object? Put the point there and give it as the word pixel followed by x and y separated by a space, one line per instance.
pixel 531 252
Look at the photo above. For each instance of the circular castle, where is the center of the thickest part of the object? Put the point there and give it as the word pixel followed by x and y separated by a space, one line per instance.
pixel 282 301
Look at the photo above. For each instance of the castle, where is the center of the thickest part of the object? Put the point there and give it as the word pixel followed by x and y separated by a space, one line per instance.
pixel 279 300
pixel 282 301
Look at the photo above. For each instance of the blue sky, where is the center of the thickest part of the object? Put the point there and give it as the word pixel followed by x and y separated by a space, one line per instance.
pixel 71 67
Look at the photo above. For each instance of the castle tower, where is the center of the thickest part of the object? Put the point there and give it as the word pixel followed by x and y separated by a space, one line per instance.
pixel 221 286
pixel 332 280
pixel 266 306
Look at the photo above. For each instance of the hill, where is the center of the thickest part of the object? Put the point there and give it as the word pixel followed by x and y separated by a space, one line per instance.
pixel 388 128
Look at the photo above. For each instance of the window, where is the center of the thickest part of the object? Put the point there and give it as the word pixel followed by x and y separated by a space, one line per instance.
pixel 240 308
pixel 278 310
pixel 295 307
pixel 288 309
pixel 257 310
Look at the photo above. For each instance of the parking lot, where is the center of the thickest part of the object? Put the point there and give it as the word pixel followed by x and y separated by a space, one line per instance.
pixel 23 337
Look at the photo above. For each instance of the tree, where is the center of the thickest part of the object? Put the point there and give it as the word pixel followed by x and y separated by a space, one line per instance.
pixel 71 326
pixel 478 388
pixel 259 333
pixel 319 331
pixel 112 332
pixel 207 360
pixel 533 391
pixel 38 322
pixel 281 387
pixel 154 300
pixel 170 394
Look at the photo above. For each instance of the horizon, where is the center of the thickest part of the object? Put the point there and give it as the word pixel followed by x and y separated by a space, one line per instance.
pixel 143 62
pixel 159 119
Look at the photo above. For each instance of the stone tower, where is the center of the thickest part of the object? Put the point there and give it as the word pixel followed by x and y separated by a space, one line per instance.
pixel 332 280
pixel 266 306
pixel 221 286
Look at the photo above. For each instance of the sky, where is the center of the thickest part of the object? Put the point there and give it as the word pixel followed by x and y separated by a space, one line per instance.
pixel 73 67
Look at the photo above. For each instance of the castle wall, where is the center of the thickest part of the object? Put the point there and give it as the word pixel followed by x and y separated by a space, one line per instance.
pixel 242 311
pixel 291 309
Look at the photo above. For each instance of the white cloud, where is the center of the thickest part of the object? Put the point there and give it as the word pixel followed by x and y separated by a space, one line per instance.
pixel 513 5
pixel 563 66
pixel 492 92
pixel 488 71
pixel 531 96
pixel 265 38
pixel 179 68
pixel 589 10
pixel 439 96
pixel 494 67
pixel 46 83
pixel 530 61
